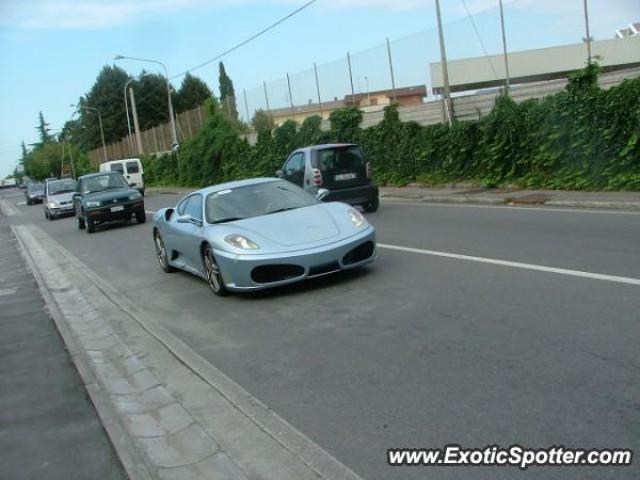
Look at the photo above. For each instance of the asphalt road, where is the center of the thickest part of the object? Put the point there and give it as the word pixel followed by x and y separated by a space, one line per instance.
pixel 421 350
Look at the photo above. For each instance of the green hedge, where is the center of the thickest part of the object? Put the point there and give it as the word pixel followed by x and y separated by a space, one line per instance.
pixel 581 138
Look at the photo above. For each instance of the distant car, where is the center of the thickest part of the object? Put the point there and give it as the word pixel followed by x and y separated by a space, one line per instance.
pixel 260 233
pixel 131 168
pixel 58 198
pixel 340 172
pixel 34 193
pixel 106 197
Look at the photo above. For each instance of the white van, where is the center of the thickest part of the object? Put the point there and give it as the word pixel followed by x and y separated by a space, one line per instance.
pixel 131 168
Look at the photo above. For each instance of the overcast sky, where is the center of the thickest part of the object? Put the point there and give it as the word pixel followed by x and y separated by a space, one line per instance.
pixel 52 50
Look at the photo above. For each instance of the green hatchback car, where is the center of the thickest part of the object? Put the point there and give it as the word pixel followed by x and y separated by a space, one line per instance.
pixel 106 197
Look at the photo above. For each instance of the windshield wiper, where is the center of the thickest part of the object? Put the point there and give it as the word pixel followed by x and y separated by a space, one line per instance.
pixel 230 219
pixel 281 210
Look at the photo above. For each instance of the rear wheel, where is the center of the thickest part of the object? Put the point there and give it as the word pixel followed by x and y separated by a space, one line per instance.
pixel 29 202
pixel 372 206
pixel 80 222
pixel 214 277
pixel 141 216
pixel 161 253
pixel 90 224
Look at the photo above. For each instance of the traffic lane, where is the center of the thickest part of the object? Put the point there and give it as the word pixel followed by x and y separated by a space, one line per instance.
pixel 588 241
pixel 413 351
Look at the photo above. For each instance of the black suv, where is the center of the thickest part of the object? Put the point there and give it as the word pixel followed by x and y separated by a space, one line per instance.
pixel 333 172
pixel 106 197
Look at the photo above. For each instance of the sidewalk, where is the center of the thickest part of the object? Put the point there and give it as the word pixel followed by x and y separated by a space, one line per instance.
pixel 467 193
pixel 48 426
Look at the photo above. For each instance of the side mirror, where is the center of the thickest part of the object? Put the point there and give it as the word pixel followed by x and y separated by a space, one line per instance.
pixel 132 184
pixel 189 219
pixel 279 173
pixel 322 193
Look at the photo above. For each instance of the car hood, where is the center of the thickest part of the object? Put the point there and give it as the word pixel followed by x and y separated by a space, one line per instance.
pixel 106 195
pixel 61 197
pixel 299 227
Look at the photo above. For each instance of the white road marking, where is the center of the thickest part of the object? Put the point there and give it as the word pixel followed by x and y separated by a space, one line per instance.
pixel 8 209
pixel 21 204
pixel 507 263
pixel 394 201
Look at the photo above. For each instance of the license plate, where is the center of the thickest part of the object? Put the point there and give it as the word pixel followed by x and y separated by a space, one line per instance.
pixel 346 176
pixel 117 209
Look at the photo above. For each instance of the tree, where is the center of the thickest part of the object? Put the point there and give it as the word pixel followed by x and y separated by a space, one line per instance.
pixel 106 95
pixel 227 95
pixel 262 121
pixel 42 129
pixel 193 92
pixel 151 100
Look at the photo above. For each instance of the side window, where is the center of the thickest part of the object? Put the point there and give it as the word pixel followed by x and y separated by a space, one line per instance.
pixel 295 164
pixel 194 207
pixel 132 167
pixel 117 167
pixel 182 205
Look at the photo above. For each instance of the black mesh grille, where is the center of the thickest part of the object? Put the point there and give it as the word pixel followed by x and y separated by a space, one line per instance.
pixel 275 273
pixel 358 254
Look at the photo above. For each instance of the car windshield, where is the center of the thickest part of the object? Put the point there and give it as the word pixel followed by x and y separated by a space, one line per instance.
pixel 62 186
pixel 255 200
pixel 36 187
pixel 108 181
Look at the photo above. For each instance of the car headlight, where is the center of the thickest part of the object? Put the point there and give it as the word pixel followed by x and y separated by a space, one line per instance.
pixel 239 241
pixel 92 204
pixel 135 196
pixel 53 204
pixel 356 218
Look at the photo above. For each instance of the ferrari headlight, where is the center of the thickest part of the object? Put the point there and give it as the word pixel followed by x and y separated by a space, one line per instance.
pixel 92 204
pixel 239 241
pixel 356 218
pixel 135 196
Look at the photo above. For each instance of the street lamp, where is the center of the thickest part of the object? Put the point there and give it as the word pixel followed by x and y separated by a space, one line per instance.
pixel 104 145
pixel 166 74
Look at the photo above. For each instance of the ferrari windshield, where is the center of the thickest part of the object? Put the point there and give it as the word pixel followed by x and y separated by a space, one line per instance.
pixel 255 200
pixel 62 186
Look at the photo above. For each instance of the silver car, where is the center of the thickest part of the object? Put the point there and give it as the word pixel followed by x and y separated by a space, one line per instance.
pixel 58 197
pixel 260 233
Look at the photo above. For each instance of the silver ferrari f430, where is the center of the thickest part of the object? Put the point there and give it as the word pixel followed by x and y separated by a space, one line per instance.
pixel 260 233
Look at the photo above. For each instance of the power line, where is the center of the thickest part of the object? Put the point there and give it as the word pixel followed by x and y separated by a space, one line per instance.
pixel 250 39
pixel 486 54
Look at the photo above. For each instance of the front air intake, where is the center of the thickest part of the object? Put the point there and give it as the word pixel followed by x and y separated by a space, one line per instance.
pixel 276 273
pixel 360 253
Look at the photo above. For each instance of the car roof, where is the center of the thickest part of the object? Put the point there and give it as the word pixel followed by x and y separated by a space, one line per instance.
pixel 236 184
pixel 97 174
pixel 330 145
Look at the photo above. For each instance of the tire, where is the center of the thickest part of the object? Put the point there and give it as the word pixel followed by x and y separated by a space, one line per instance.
pixel 80 222
pixel 48 215
pixel 161 253
pixel 372 206
pixel 90 224
pixel 29 202
pixel 141 216
pixel 214 278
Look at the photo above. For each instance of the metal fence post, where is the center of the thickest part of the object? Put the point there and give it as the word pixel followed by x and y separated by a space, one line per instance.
pixel 353 93
pixel 246 105
pixel 393 80
pixel 290 98
pixel 266 96
pixel 315 69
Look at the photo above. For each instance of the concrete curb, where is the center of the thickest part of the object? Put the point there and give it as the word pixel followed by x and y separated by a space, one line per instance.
pixel 601 205
pixel 169 413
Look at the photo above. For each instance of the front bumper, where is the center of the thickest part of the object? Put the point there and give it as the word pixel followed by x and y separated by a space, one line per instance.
pixel 360 195
pixel 237 270
pixel 61 210
pixel 105 214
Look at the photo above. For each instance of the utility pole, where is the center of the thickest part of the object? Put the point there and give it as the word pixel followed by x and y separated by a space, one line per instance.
pixel 393 80
pixel 504 48
pixel 445 73
pixel 586 25
pixel 136 125
pixel 315 69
